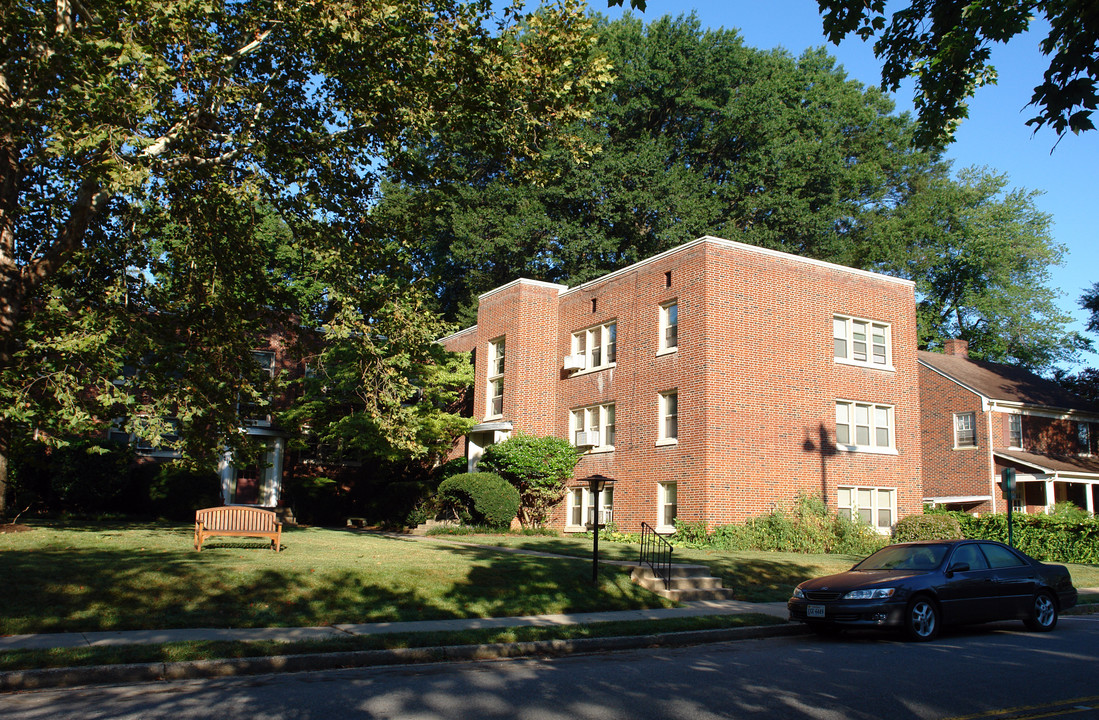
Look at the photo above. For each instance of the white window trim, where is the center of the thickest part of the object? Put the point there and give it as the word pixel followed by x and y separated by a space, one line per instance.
pixel 849 340
pixel 954 425
pixel 874 507
pixel 1015 417
pixel 661 491
pixel 662 400
pixel 606 510
pixel 891 449
pixel 587 353
pixel 493 377
pixel 662 347
pixel 605 410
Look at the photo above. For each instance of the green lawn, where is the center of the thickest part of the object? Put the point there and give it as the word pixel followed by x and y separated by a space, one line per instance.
pixel 129 576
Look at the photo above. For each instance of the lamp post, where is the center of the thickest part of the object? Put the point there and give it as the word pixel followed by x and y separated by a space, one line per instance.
pixel 596 483
pixel 1009 487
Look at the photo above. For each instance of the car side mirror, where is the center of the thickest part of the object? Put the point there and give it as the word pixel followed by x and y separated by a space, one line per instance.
pixel 957 568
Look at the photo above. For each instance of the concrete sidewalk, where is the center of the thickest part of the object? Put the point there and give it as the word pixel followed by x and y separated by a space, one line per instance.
pixel 154 637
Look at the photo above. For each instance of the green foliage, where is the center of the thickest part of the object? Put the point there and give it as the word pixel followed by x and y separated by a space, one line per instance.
pixel 806 527
pixel 538 467
pixel 927 527
pixel 697 134
pixel 83 478
pixel 980 256
pixel 945 47
pixel 316 500
pixel 1068 512
pixel 89 478
pixel 177 173
pixel 1050 538
pixel 478 498
pixel 177 491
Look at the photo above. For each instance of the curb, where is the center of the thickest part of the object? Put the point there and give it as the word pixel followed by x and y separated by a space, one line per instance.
pixel 22 680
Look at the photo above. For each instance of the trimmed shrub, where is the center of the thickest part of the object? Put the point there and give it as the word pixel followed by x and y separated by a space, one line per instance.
pixel 927 527
pixel 478 498
pixel 538 467
pixel 1049 538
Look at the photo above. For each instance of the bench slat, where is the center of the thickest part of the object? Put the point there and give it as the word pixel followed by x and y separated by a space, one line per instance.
pixel 237 521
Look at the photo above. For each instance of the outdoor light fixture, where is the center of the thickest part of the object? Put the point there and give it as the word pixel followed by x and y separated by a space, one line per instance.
pixel 596 483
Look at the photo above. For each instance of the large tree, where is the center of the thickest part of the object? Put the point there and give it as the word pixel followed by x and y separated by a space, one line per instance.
pixel 697 134
pixel 190 113
pixel 946 46
pixel 980 255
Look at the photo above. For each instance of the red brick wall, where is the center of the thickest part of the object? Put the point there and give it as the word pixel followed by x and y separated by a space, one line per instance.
pixel 1050 436
pixel 754 370
pixel 963 471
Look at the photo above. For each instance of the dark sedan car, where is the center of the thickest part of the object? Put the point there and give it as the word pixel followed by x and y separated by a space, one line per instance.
pixel 919 587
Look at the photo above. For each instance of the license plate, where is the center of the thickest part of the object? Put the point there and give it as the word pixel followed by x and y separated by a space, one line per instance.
pixel 815 611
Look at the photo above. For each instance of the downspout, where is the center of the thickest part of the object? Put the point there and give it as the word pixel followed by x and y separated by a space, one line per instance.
pixel 987 409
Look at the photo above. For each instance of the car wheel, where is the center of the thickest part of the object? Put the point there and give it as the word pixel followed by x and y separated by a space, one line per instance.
pixel 1043 613
pixel 921 620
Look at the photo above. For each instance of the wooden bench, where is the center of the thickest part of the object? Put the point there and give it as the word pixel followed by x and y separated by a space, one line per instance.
pixel 237 521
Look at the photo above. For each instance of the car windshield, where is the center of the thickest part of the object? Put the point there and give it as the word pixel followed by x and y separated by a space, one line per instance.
pixel 905 557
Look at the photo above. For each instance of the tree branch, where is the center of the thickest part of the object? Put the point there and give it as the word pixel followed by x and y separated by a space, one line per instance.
pixel 89 201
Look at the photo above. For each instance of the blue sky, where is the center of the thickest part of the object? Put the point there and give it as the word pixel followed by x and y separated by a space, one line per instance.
pixel 994 135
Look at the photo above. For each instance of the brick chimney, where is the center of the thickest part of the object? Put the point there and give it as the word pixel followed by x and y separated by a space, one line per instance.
pixel 956 347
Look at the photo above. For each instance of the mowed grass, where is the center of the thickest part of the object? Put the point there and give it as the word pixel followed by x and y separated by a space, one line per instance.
pixel 67 577
pixel 754 576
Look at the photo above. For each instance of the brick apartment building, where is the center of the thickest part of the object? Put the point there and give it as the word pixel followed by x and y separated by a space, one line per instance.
pixel 980 417
pixel 712 382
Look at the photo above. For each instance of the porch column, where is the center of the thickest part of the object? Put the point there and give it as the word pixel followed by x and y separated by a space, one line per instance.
pixel 1051 498
pixel 228 476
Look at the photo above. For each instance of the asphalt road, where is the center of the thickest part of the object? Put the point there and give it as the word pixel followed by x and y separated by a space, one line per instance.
pixel 987 673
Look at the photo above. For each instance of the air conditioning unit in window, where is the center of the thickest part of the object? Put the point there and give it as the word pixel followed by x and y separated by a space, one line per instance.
pixel 575 362
pixel 587 439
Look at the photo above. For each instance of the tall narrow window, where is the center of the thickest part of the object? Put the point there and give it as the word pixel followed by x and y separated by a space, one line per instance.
pixel 965 430
pixel 669 326
pixel 669 417
pixel 1015 431
pixel 667 506
pixel 1083 438
pixel 495 378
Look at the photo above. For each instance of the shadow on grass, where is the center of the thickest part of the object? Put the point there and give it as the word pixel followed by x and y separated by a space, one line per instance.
pixel 120 576
pixel 753 578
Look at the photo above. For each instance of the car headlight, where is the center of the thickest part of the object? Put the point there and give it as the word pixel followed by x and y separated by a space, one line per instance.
pixel 798 593
pixel 874 594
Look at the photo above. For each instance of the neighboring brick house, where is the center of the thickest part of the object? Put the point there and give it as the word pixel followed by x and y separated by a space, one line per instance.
pixel 712 382
pixel 980 417
pixel 258 483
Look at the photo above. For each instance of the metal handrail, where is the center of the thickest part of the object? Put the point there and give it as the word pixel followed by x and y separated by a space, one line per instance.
pixel 656 552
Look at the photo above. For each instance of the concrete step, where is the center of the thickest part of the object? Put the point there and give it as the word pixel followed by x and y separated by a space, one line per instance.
pixel 687 582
